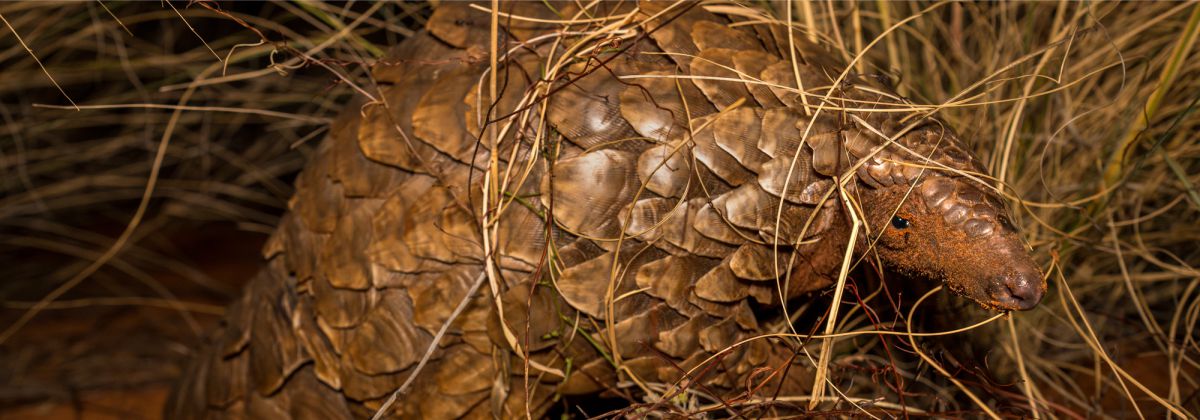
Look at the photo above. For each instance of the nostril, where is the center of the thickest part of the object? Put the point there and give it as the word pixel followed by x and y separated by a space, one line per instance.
pixel 1019 292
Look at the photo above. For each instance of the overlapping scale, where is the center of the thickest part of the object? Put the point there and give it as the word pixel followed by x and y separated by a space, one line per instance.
pixel 666 169
pixel 512 83
pixel 438 118
pixel 738 132
pixel 659 105
pixel 714 157
pixel 782 132
pixel 326 362
pixel 828 157
pixel 585 285
pixel 750 65
pixel 274 350
pixel 450 236
pixel 318 198
pixel 646 218
pixel 306 397
pixel 454 388
pixel 721 335
pixel 523 236
pixel 392 223
pixel 587 110
pixel 640 329
pixel 358 176
pixel 752 208
pixel 670 25
pixel 794 179
pixel 434 299
pixel 754 262
pixel 343 260
pixel 671 278
pixel 712 224
pixel 537 318
pixel 682 340
pixel 227 382
pixel 721 285
pixel 587 192
pixel 686 234
pixel 708 34
pixel 713 72
pixel 780 79
pixel 385 132
pixel 339 308
pixel 387 341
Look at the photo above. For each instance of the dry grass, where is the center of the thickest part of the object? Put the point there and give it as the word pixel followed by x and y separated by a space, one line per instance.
pixel 1055 96
pixel 135 137
pixel 1084 112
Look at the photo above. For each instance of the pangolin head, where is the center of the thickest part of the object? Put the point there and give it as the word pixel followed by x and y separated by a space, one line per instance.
pixel 934 221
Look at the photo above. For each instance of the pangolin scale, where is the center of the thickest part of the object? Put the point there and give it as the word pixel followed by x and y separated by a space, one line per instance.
pixel 649 179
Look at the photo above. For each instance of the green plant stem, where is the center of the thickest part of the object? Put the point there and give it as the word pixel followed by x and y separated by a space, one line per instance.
pixel 1116 162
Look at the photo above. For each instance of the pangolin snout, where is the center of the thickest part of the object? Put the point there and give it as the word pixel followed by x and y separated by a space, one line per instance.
pixel 1019 291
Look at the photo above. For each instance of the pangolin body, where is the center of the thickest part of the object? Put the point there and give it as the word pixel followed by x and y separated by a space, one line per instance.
pixel 645 184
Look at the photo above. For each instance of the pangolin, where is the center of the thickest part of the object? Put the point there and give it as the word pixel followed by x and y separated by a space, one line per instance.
pixel 628 194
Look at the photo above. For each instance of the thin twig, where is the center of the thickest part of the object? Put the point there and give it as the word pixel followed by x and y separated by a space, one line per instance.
pixel 433 345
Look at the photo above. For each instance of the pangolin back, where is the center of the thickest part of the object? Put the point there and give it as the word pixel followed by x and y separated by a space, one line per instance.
pixel 655 177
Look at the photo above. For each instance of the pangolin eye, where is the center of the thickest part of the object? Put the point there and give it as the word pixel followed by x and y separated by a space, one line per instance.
pixel 900 222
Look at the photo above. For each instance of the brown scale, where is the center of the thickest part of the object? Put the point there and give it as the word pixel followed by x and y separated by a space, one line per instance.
pixel 681 197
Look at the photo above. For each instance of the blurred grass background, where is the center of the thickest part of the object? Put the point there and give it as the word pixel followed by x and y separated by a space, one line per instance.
pixel 1084 111
pixel 71 181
